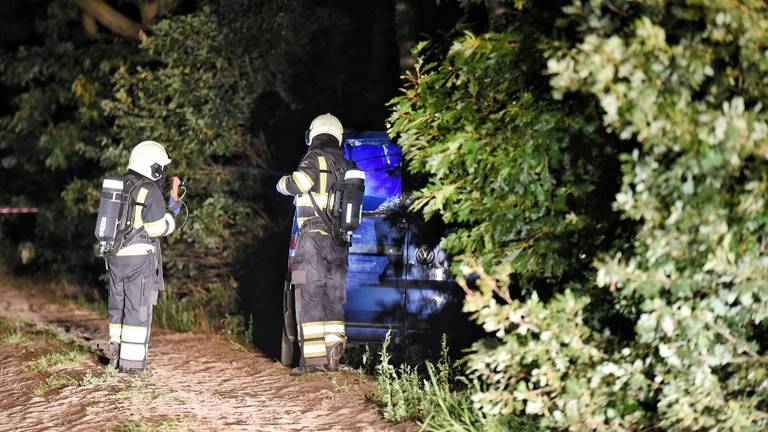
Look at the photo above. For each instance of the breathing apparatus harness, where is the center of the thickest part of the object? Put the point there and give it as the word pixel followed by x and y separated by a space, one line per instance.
pixel 114 227
pixel 343 211
pixel 126 232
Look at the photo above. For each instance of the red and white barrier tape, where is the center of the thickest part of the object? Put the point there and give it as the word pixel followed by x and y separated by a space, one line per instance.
pixel 17 210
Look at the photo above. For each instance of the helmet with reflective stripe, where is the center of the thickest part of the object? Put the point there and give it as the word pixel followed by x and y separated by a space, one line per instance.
pixel 148 158
pixel 325 123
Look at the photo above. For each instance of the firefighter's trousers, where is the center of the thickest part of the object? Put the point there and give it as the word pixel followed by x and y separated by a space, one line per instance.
pixel 133 290
pixel 319 274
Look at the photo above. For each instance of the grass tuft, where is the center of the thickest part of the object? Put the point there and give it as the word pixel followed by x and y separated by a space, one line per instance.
pixel 60 381
pixel 14 331
pixel 399 388
pixel 53 382
pixel 109 376
pixel 239 333
pixel 440 399
pixel 69 356
pixel 14 336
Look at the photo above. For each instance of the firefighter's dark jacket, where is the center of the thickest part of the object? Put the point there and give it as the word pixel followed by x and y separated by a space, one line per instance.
pixel 313 175
pixel 149 217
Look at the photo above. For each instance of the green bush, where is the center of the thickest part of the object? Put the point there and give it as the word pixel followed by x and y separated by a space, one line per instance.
pixel 176 313
pixel 398 388
pixel 513 170
pixel 657 321
pixel 688 84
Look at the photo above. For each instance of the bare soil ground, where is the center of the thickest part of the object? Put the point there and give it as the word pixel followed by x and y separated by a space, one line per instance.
pixel 198 382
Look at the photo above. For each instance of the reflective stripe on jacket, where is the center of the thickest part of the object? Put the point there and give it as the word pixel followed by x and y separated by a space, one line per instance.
pixel 313 175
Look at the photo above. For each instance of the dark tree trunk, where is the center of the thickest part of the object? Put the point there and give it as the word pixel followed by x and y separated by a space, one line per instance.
pixel 110 18
pixel 90 26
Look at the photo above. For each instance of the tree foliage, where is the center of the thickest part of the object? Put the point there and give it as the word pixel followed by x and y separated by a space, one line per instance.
pixel 513 205
pixel 49 138
pixel 688 83
pixel 656 322
pixel 193 89
pixel 81 103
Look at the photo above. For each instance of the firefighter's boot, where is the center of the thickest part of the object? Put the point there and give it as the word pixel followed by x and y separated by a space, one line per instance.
pixel 334 356
pixel 131 371
pixel 113 353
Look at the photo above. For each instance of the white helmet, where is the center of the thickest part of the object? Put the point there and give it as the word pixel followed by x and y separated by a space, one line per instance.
pixel 148 158
pixel 325 123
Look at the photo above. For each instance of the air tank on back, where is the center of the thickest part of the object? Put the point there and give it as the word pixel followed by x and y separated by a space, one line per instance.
pixel 352 199
pixel 109 211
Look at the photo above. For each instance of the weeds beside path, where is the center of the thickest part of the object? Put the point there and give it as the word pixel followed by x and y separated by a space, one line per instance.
pixel 52 380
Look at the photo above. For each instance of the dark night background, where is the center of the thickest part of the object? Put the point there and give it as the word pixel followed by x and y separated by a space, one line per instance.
pixel 597 169
pixel 352 67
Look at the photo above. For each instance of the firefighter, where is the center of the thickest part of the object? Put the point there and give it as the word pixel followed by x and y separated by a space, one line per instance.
pixel 320 263
pixel 135 268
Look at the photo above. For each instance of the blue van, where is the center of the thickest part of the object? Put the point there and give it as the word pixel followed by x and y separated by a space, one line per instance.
pixel 398 277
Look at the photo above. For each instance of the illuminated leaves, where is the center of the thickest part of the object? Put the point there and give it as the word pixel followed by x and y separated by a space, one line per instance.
pixel 670 331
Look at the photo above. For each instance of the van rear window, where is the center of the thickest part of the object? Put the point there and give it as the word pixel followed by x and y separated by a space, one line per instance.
pixel 374 153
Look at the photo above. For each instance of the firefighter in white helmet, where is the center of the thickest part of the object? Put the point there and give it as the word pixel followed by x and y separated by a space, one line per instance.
pixel 135 268
pixel 320 265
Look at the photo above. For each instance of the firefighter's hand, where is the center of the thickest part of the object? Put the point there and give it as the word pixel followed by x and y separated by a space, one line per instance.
pixel 175 184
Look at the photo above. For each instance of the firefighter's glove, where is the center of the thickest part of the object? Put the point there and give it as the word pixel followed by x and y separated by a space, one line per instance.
pixel 282 186
pixel 174 206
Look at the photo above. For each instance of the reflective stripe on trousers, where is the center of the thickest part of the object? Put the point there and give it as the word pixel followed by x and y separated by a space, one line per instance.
pixel 115 330
pixel 318 335
pixel 334 333
pixel 133 346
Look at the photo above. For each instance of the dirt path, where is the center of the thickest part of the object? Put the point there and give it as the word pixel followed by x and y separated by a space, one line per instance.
pixel 198 382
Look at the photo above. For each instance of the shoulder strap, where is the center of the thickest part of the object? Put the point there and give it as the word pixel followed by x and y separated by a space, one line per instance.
pixel 326 164
pixel 128 229
pixel 333 168
pixel 336 168
pixel 330 162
